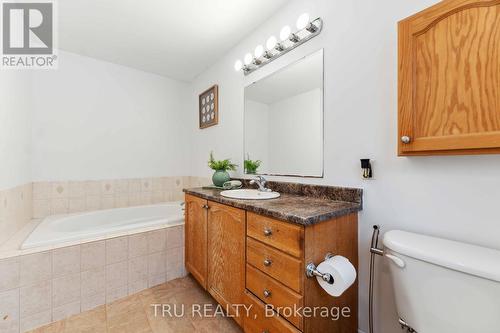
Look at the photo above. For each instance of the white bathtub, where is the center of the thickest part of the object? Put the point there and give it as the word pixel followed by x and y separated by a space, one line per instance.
pixel 61 229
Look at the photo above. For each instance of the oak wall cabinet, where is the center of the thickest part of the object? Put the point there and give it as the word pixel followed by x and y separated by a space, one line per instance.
pixel 449 79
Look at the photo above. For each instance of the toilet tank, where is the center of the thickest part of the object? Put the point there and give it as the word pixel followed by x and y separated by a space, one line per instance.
pixel 443 286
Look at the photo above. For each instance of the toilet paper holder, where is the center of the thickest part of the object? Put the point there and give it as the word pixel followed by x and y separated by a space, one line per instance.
pixel 312 271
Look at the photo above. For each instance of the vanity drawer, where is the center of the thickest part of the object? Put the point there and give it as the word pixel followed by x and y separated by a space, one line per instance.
pixel 272 292
pixel 281 266
pixel 258 322
pixel 284 236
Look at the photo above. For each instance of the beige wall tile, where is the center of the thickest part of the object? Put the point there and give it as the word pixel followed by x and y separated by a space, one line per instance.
pixel 108 202
pixel 116 250
pixel 146 198
pixel 9 311
pixel 116 293
pixel 135 199
pixel 157 264
pixel 157 184
pixel 107 187
pixel 92 188
pixel 157 241
pixel 42 190
pixel 92 203
pixel 146 185
pixel 66 289
pixel 76 189
pixel 136 286
pixel 9 274
pixel 168 183
pixel 35 298
pixel 121 200
pixel 77 205
pixel 35 268
pixel 41 208
pixel 93 282
pixel 175 236
pixel 35 320
pixel 156 280
pixel 157 197
pixel 137 269
pixel 65 311
pixel 93 255
pixel 177 196
pixel 59 190
pixel 93 301
pixel 168 195
pixel 65 261
pixel 134 185
pixel 116 276
pixel 59 206
pixel 121 186
pixel 137 245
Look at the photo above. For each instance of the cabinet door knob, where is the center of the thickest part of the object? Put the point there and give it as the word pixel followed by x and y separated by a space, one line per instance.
pixel 205 207
pixel 268 232
pixel 267 293
pixel 405 139
pixel 268 262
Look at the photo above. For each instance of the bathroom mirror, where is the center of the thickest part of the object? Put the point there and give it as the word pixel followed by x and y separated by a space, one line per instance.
pixel 283 121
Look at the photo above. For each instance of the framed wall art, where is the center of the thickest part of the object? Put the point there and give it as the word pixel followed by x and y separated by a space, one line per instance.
pixel 209 107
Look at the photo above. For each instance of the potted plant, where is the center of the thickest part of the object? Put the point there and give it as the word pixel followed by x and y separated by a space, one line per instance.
pixel 221 169
pixel 251 166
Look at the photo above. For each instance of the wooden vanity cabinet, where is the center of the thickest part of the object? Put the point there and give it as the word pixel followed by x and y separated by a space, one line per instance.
pixel 195 227
pixel 241 257
pixel 449 79
pixel 214 250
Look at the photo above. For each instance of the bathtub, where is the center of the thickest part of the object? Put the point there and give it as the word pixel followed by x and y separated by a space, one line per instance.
pixel 67 228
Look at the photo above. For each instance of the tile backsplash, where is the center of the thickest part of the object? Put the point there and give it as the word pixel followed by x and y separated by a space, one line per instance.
pixel 16 207
pixel 37 200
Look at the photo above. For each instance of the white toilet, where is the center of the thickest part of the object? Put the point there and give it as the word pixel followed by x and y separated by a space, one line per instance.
pixel 442 286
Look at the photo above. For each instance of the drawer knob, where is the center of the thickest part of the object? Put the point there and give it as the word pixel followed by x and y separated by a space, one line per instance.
pixel 267 293
pixel 205 207
pixel 268 262
pixel 265 331
pixel 268 232
pixel 405 139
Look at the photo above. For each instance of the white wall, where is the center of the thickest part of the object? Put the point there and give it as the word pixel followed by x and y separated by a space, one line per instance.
pixel 97 120
pixel 449 196
pixel 295 135
pixel 15 128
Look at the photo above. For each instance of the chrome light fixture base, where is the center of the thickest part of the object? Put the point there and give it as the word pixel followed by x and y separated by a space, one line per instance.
pixel 296 39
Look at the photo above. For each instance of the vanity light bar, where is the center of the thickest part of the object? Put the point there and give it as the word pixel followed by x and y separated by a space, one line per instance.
pixel 274 49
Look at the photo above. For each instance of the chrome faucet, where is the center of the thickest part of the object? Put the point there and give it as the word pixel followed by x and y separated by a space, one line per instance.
pixel 261 182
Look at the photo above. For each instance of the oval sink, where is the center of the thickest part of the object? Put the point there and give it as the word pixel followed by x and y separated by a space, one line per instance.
pixel 249 194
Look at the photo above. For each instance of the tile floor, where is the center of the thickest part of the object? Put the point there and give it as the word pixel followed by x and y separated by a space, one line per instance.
pixel 134 314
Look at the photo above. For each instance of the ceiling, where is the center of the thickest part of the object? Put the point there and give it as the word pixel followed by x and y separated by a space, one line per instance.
pixel 177 39
pixel 299 77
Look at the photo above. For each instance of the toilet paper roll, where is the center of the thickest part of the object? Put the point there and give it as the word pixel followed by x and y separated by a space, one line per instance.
pixel 342 271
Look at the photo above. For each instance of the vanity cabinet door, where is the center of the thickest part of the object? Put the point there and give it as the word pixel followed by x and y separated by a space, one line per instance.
pixel 226 256
pixel 449 79
pixel 196 238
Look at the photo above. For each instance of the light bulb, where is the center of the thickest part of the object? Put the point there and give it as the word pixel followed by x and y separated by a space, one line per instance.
pixel 303 21
pixel 259 51
pixel 271 43
pixel 285 32
pixel 248 59
pixel 238 65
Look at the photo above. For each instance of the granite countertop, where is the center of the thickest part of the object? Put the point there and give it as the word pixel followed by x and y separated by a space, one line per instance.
pixel 292 207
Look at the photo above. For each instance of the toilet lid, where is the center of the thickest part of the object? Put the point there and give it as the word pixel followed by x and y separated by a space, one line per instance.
pixel 472 259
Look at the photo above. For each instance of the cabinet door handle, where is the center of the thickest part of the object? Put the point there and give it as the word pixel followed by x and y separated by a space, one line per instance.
pixel 405 139
pixel 268 232
pixel 205 207
pixel 268 262
pixel 267 293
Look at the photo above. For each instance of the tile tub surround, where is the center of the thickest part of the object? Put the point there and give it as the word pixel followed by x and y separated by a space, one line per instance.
pixel 39 288
pixel 15 210
pixel 300 204
pixel 63 197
